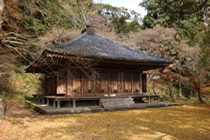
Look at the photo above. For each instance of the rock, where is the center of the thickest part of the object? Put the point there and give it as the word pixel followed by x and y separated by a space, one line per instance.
pixel 1 110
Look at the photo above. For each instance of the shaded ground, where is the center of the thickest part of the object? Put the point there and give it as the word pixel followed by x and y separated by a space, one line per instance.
pixel 181 122
pixel 13 108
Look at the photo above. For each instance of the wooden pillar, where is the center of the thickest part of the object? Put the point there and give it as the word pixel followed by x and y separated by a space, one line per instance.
pixel 100 103
pixel 132 83
pixel 35 98
pixel 49 85
pixel 48 101
pixel 140 87
pixel 74 103
pixel 158 99
pixel 109 82
pixel 94 84
pixel 119 87
pixel 54 105
pixel 68 82
pixel 39 100
pixel 43 100
pixel 144 82
pixel 149 99
pixel 56 84
pixel 122 82
pixel 82 84
pixel 58 104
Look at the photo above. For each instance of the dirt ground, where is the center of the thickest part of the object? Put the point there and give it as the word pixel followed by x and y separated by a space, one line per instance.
pixel 15 108
pixel 181 122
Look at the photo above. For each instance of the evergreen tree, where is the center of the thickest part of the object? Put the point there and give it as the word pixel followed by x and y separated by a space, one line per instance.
pixel 187 17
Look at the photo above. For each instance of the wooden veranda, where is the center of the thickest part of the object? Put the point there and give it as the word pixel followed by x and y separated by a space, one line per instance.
pixel 56 100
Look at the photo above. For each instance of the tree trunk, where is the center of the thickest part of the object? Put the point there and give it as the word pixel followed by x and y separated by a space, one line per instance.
pixel 180 75
pixel 170 93
pixel 199 94
pixel 170 87
pixel 153 88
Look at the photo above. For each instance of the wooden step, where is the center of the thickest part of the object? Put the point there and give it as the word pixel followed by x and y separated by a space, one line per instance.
pixel 117 103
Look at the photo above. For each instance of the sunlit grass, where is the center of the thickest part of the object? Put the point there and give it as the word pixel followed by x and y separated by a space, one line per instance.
pixel 181 122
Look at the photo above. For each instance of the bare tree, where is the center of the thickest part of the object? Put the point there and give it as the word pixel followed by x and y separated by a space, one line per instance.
pixel 170 88
pixel 1 9
pixel 200 72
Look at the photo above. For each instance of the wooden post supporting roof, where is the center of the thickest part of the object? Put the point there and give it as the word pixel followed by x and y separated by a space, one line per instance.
pixel 68 82
pixel 140 83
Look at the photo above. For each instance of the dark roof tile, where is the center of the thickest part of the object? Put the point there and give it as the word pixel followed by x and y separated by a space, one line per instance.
pixel 100 47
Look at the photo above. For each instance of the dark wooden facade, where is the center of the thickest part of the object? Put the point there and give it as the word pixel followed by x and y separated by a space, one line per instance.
pixel 109 82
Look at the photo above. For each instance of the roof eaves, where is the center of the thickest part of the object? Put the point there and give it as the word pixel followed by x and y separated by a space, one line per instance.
pixel 168 61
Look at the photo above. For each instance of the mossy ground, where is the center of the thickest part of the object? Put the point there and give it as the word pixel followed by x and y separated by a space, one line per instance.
pixel 181 122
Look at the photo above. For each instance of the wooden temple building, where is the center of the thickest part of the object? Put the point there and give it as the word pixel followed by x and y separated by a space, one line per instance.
pixel 93 69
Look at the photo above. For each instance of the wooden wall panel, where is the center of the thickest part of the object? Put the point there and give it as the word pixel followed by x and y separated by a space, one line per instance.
pixel 97 86
pixel 104 76
pixel 109 82
pixel 121 82
pixel 53 81
pixel 69 82
pixel 61 82
pixel 136 83
pixel 47 85
pixel 87 85
pixel 127 82
pixel 114 82
pixel 76 83
pixel 140 83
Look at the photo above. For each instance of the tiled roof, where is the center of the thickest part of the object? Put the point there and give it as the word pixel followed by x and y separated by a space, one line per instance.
pixel 99 47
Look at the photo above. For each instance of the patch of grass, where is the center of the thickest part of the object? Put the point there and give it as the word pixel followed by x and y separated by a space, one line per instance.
pixel 180 122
